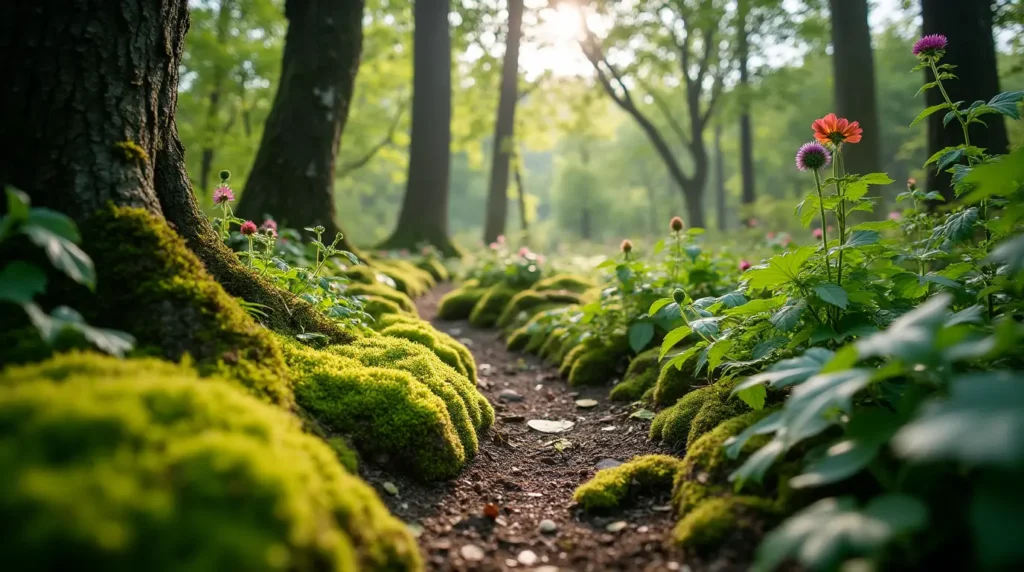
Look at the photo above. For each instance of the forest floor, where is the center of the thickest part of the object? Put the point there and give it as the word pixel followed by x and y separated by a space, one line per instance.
pixel 529 481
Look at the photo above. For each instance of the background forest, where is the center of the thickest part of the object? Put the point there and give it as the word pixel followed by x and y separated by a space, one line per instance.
pixel 587 170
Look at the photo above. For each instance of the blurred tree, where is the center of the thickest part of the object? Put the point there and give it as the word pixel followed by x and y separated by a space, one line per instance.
pixel 504 128
pixel 424 215
pixel 971 48
pixel 746 138
pixel 720 202
pixel 854 82
pixel 292 178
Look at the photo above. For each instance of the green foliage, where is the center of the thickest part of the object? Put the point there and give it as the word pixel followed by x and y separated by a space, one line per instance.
pixel 158 461
pixel 611 488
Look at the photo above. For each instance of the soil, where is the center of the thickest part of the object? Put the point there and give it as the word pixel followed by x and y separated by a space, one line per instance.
pixel 521 474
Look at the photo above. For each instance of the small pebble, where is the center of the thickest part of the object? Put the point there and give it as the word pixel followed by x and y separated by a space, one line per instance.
pixel 509 395
pixel 527 558
pixel 616 526
pixel 511 563
pixel 548 526
pixel 607 464
pixel 472 553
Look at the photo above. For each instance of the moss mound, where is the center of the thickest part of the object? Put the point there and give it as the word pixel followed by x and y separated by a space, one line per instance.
pixel 695 414
pixel 152 286
pixel 443 345
pixel 378 308
pixel 129 465
pixel 409 279
pixel 458 304
pixel 381 291
pixel 435 268
pixel 570 282
pixel 610 488
pixel 640 376
pixel 551 349
pixel 714 521
pixel 570 359
pixel 387 413
pixel 672 384
pixel 490 306
pixel 518 339
pixel 527 303
pixel 596 365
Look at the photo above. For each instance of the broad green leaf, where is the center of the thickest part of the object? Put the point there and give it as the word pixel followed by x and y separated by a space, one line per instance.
pixel 717 352
pixel 878 225
pixel 757 464
pixel 64 255
pixel 929 111
pixel 958 226
pixel 770 424
pixel 17 205
pixel 20 282
pixel 55 222
pixel 673 338
pixel 808 209
pixel 1009 253
pixel 980 423
pixel 113 342
pixel 944 161
pixel 840 461
pixel 860 238
pixel 1000 177
pixel 766 347
pixel 640 334
pixel 876 179
pixel 659 304
pixel 733 299
pixel 1006 103
pixel 833 294
pixel 789 315
pixel 679 360
pixel 790 371
pixel 813 404
pixel 911 337
pixel 706 327
pixel 832 530
pixel 781 269
pixel 754 396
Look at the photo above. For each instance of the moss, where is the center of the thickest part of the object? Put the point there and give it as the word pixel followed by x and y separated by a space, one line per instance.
pixel 672 384
pixel 705 469
pixel 152 286
pixel 640 376
pixel 695 414
pixel 435 268
pixel 378 308
pixel 570 359
pixel 443 345
pixel 458 304
pixel 570 282
pixel 408 278
pixel 712 523
pixel 490 306
pixel 518 339
pixel 528 303
pixel 388 414
pixel 130 465
pixel 712 413
pixel 382 291
pixel 610 488
pixel 346 455
pixel 552 346
pixel 361 274
pixel 595 366
pixel 132 152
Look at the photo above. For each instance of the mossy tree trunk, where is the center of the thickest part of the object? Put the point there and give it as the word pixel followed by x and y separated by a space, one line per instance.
pixel 968 26
pixel 504 127
pixel 292 178
pixel 91 90
pixel 424 214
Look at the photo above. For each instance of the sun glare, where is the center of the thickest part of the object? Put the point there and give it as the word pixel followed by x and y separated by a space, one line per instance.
pixel 553 43
pixel 562 24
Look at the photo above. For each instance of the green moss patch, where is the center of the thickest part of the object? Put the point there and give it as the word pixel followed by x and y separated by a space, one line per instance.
pixel 443 345
pixel 490 306
pixel 458 304
pixel 527 303
pixel 610 488
pixel 380 290
pixel 435 268
pixel 713 522
pixel 152 286
pixel 640 376
pixel 596 366
pixel 137 466
pixel 671 384
pixel 570 282
pixel 695 414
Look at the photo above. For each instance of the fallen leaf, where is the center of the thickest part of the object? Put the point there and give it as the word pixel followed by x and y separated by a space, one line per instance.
pixel 645 414
pixel 390 488
pixel 562 444
pixel 546 426
pixel 586 403
pixel 608 428
pixel 415 528
pixel 616 526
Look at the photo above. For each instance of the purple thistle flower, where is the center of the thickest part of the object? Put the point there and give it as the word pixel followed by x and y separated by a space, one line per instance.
pixel 929 45
pixel 812 156
pixel 223 194
pixel 248 228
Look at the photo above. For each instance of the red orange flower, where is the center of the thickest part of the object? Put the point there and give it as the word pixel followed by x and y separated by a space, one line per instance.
pixel 836 130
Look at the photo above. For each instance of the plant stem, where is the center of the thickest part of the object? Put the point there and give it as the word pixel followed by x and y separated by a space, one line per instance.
pixel 824 233
pixel 837 171
pixel 250 253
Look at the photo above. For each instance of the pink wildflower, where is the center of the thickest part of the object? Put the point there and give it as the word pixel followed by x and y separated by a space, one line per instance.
pixel 500 239
pixel 248 228
pixel 523 252
pixel 895 215
pixel 269 224
pixel 816 233
pixel 222 195
pixel 744 266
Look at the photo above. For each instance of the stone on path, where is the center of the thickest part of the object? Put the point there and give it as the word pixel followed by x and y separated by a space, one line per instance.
pixel 547 526
pixel 607 464
pixel 472 553
pixel 509 395
pixel 527 558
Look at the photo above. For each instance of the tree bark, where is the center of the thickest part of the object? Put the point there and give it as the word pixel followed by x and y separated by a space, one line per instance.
pixel 720 180
pixel 747 197
pixel 292 178
pixel 504 127
pixel 855 94
pixel 968 26
pixel 424 215
pixel 524 224
pixel 94 108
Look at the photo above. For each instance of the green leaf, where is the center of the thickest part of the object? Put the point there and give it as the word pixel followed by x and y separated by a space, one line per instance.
pixel 17 205
pixel 1000 177
pixel 659 304
pixel 833 294
pixel 789 315
pixel 640 334
pixel 1006 103
pixel 64 255
pixel 949 158
pixel 781 269
pixel 20 282
pixel 860 238
pixel 876 179
pixel 832 530
pixel 680 360
pixel 1009 253
pixel 717 352
pixel 841 460
pixel 733 299
pixel 754 396
pixel 757 464
pixel 55 222
pixel 929 111
pixel 770 424
pixel 673 338
pixel 645 414
pixel 789 371
pixel 877 225
pixel 912 336
pixel 756 306
pixel 980 423
pixel 659 246
pixel 958 226
pixel 50 327
pixel 808 209
pixel 706 327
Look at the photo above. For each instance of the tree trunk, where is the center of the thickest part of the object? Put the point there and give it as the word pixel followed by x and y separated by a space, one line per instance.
pixel 720 180
pixel 746 138
pixel 292 178
pixel 94 109
pixel 424 215
pixel 524 224
pixel 854 71
pixel 504 127
pixel 968 25
pixel 223 22
pixel 585 226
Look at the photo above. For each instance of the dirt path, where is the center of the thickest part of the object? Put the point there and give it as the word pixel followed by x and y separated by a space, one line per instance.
pixel 519 470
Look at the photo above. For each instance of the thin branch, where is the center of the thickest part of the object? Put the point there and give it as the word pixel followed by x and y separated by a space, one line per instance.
pixel 361 162
pixel 663 107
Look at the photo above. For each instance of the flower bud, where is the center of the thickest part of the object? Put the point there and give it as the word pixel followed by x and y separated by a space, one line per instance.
pixel 679 296
pixel 676 224
pixel 627 246
pixel 225 175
